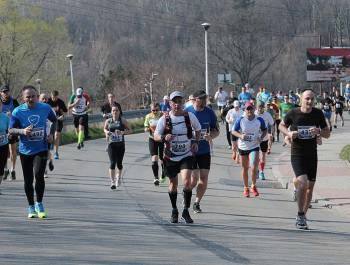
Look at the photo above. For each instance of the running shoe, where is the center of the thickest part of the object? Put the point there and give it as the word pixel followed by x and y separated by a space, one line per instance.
pixel 174 216
pixel 301 223
pixel 342 124
pixel 261 175
pixel 295 195
pixel 31 212
pixel 113 186
pixel 39 208
pixel 335 126
pixel 78 146
pixel 13 175
pixel 156 182
pixel 197 207
pixel 45 174
pixel 51 166
pixel 254 190
pixel 186 217
pixel 6 174
pixel 56 156
pixel 246 192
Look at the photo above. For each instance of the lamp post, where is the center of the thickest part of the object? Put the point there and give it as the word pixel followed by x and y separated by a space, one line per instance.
pixel 70 57
pixel 38 81
pixel 206 26
pixel 150 85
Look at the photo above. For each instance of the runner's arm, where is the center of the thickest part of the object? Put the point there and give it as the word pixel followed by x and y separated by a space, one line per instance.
pixel 127 127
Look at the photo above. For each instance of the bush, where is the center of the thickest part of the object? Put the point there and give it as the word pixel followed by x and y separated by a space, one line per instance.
pixel 345 153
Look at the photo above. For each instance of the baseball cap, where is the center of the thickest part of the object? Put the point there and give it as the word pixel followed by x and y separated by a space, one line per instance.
pixel 249 104
pixel 4 88
pixel 166 98
pixel 79 91
pixel 176 94
pixel 236 103
pixel 200 94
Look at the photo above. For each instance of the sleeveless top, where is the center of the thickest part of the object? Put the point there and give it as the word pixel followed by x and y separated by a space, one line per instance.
pixel 114 127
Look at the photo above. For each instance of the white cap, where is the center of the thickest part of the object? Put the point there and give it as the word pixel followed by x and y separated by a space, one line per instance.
pixel 79 91
pixel 176 94
pixel 166 98
pixel 236 103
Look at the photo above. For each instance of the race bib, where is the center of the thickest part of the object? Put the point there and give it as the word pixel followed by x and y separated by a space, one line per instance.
pixel 37 134
pixel 116 138
pixel 179 147
pixel 337 105
pixel 304 132
pixel 326 107
pixel 203 132
pixel 3 138
pixel 249 137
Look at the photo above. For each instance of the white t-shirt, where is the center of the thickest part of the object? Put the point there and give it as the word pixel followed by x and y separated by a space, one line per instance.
pixel 180 145
pixel 221 98
pixel 233 115
pixel 252 129
pixel 269 122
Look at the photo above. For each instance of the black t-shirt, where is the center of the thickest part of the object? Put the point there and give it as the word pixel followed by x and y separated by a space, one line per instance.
pixel 106 108
pixel 59 106
pixel 339 102
pixel 305 144
pixel 327 104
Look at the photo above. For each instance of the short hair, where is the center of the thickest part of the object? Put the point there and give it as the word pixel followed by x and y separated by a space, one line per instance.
pixel 154 104
pixel 29 87
pixel 307 89
pixel 55 93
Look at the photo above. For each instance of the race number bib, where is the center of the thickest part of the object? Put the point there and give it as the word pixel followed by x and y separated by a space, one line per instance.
pixel 203 132
pixel 337 105
pixel 326 107
pixel 116 138
pixel 304 132
pixel 179 147
pixel 80 107
pixel 3 138
pixel 249 137
pixel 37 134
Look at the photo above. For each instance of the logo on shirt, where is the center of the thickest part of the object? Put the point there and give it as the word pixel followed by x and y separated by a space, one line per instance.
pixel 34 119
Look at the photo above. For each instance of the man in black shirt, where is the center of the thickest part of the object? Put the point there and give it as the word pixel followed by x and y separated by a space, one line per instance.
pixel 306 124
pixel 60 109
pixel 338 102
pixel 107 107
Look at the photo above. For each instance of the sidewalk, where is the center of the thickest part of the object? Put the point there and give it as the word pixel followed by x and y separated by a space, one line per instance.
pixel 333 174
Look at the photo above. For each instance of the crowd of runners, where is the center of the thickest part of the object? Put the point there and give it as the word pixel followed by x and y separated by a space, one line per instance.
pixel 181 134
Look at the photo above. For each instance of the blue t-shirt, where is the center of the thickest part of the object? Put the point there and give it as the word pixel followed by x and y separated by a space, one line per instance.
pixel 8 106
pixel 347 93
pixel 4 125
pixel 244 97
pixel 264 96
pixel 165 107
pixel 22 117
pixel 208 121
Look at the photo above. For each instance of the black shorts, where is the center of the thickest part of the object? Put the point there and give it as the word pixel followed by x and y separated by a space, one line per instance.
pixel 202 161
pixel 339 111
pixel 156 148
pixel 13 139
pixel 247 152
pixel 172 168
pixel 264 145
pixel 59 126
pixel 234 138
pixel 305 165
pixel 80 120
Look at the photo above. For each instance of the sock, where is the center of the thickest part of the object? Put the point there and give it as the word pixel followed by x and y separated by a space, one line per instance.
pixel 187 198
pixel 80 137
pixel 262 166
pixel 155 168
pixel 173 198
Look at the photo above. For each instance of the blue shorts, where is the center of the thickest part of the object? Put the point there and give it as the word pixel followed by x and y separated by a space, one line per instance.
pixel 327 114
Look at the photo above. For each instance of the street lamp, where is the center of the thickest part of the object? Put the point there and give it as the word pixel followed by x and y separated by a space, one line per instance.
pixel 206 26
pixel 150 85
pixel 38 81
pixel 70 57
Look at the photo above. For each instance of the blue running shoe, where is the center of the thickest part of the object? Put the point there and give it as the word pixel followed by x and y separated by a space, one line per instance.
pixel 39 208
pixel 31 212
pixel 261 175
pixel 56 156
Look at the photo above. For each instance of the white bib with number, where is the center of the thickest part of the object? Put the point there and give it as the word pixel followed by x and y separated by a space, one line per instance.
pixel 116 138
pixel 3 138
pixel 37 134
pixel 304 132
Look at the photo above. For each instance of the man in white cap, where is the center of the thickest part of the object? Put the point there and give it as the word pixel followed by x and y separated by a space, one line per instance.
pixel 165 106
pixel 79 106
pixel 175 129
pixel 231 117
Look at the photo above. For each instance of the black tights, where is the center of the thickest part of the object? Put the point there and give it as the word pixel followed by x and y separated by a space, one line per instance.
pixel 116 153
pixel 4 150
pixel 34 166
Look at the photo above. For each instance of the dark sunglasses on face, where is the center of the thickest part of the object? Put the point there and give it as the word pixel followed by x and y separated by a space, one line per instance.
pixel 155 110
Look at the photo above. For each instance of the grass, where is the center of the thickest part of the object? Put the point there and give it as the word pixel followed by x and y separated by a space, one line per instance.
pixel 345 153
pixel 96 132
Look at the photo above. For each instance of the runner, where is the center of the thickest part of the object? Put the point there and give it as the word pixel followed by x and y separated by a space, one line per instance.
pixel 221 97
pixel 8 105
pixel 231 117
pixel 4 143
pixel 29 122
pixel 175 129
pixel 306 123
pixel 106 108
pixel 115 128
pixel 244 96
pixel 43 98
pixel 275 106
pixel 156 149
pixel 250 131
pixel 165 105
pixel 60 109
pixel 285 107
pixel 326 106
pixel 338 108
pixel 225 110
pixel 266 143
pixel 79 106
pixel 209 131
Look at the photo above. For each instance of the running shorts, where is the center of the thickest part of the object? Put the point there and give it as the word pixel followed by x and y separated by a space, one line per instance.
pixel 327 114
pixel 59 126
pixel 339 111
pixel 264 145
pixel 80 120
pixel 172 168
pixel 202 161
pixel 247 152
pixel 234 138
pixel 305 165
pixel 13 139
pixel 156 148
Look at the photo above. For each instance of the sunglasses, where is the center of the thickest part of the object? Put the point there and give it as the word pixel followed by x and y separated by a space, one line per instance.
pixel 154 110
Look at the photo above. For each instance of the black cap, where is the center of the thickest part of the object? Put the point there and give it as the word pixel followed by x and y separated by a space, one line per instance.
pixel 199 94
pixel 4 88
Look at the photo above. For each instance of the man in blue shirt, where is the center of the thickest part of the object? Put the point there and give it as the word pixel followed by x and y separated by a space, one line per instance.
pixel 165 105
pixel 29 122
pixel 244 96
pixel 210 130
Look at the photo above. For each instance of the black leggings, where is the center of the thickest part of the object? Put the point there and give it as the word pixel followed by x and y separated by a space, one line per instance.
pixel 116 153
pixel 34 166
pixel 228 134
pixel 277 123
pixel 4 150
